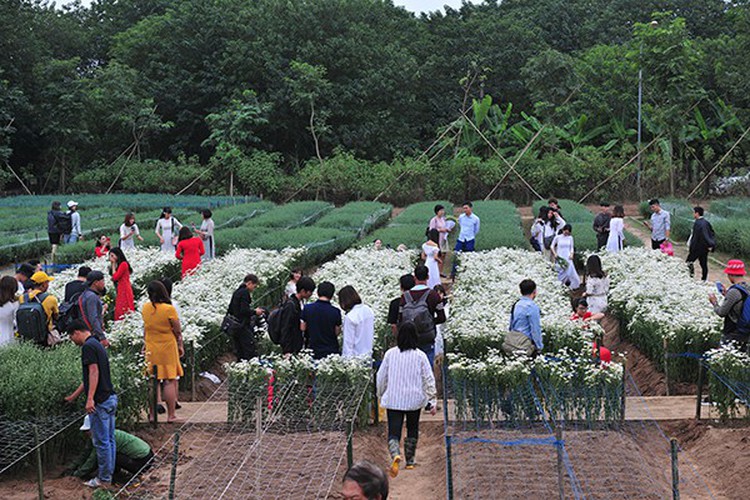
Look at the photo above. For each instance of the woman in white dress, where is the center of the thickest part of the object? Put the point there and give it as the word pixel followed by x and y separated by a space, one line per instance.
pixel 597 285
pixel 563 247
pixel 167 229
pixel 129 232
pixel 432 261
pixel 616 230
pixel 551 230
pixel 8 308
pixel 206 233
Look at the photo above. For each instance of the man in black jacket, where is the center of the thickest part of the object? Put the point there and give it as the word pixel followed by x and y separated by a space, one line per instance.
pixel 702 240
pixel 241 308
pixel 291 316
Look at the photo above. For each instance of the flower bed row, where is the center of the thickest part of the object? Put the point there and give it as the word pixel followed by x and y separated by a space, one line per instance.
pixel 729 381
pixel 663 311
pixel 487 385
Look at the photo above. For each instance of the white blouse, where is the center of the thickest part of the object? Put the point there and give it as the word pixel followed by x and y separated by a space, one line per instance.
pixel 405 380
pixel 359 331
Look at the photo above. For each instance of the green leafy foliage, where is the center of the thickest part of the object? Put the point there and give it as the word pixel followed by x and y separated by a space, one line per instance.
pixel 359 216
pixel 291 215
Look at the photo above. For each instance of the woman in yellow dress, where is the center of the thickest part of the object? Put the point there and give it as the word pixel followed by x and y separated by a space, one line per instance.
pixel 163 339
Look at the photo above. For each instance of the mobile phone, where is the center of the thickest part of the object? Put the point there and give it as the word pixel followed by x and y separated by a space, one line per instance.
pixel 720 287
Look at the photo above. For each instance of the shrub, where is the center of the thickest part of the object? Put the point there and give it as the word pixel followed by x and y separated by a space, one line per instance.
pixel 259 173
pixel 359 216
pixel 291 215
pixel 152 176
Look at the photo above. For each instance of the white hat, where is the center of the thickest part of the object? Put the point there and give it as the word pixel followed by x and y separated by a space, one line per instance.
pixel 72 204
pixel 86 424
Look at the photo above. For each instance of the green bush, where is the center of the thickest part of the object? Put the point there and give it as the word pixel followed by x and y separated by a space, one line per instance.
pixel 421 213
pixel 359 216
pixel 291 215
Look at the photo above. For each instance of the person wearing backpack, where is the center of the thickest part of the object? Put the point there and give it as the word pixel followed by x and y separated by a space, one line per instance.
pixel 54 229
pixel 289 318
pixel 423 307
pixel 37 314
pixel 735 308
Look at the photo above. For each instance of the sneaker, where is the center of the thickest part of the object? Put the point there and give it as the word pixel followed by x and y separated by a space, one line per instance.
pixel 96 483
pixel 393 471
pixel 410 466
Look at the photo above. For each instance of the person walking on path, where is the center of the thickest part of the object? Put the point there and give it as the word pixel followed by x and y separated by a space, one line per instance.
pixel 132 454
pixel 359 324
pixel 190 249
pixel 129 232
pixel 601 225
pixel 163 343
pixel 702 240
pixel 423 306
pixel 206 233
pixel 321 323
pixel 439 223
pixel 552 227
pixel 101 401
pixel 563 251
pixel 55 227
pixel 121 271
pixel 468 223
pixel 525 328
pixel 537 230
pixel 92 308
pixel 430 254
pixel 75 224
pixel 616 236
pixel 660 224
pixel 241 308
pixel 290 316
pixel 406 282
pixel 597 285
pixel 166 229
pixel 405 385
pixel 736 328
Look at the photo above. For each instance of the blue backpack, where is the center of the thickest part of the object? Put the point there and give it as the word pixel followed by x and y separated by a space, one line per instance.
pixel 743 323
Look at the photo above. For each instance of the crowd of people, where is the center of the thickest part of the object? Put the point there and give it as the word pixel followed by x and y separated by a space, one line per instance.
pixel 405 378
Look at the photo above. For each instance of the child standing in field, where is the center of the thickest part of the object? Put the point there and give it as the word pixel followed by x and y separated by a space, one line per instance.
pixel 405 385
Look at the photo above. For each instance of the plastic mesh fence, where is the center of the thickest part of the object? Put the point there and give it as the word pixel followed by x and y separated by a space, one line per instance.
pixel 540 440
pixel 294 447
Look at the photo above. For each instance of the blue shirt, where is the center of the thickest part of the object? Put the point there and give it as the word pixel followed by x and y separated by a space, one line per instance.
pixel 660 224
pixel 526 318
pixel 469 227
pixel 322 318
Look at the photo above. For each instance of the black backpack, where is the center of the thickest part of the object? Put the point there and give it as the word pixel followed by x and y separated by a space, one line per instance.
pixel 31 319
pixel 274 325
pixel 69 312
pixel 418 312
pixel 64 222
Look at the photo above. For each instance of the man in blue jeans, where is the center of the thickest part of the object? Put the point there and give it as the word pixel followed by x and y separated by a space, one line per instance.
pixel 101 400
pixel 468 224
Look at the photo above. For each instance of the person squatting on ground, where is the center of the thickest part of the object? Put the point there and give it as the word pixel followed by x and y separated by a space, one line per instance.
pixel 290 316
pixel 245 316
pixel 660 224
pixel 365 481
pixel 525 329
pixel 601 225
pixel 702 240
pixel 423 307
pixel 101 400
pixel 405 385
pixel 736 328
pixel 132 454
pixel 321 323
pixel 581 313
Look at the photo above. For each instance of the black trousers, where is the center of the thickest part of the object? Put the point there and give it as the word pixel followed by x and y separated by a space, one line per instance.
pixel 396 423
pixel 702 258
pixel 132 465
pixel 601 240
pixel 656 244
pixel 244 343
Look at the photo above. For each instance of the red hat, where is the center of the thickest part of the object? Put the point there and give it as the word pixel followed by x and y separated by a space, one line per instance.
pixel 735 268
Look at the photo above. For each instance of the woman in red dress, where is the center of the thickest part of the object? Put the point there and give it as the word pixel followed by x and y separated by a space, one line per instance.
pixel 189 250
pixel 103 245
pixel 120 270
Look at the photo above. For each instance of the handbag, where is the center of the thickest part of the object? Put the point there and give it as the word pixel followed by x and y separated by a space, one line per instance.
pixel 548 241
pixel 667 249
pixel 515 342
pixel 53 338
pixel 229 323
